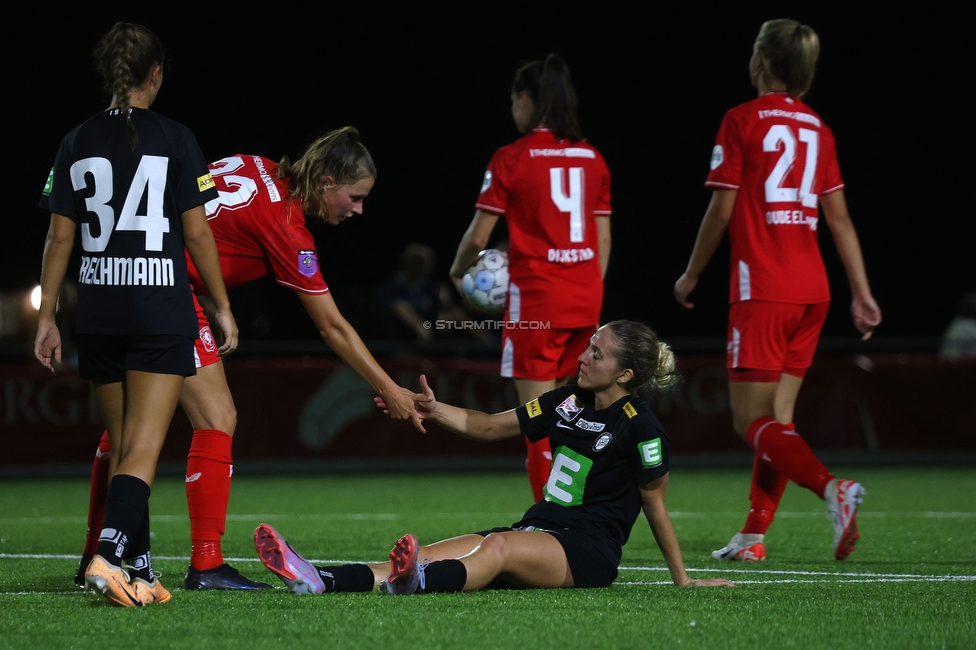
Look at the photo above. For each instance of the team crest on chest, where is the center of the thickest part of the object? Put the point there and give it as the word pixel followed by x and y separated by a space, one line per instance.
pixel 569 409
pixel 308 263
pixel 602 442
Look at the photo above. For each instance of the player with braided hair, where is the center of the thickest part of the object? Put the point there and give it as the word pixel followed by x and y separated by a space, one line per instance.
pixel 133 184
pixel 258 220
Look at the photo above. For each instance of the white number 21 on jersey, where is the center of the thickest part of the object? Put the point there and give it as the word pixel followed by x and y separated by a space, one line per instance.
pixel 570 201
pixel 780 138
pixel 149 181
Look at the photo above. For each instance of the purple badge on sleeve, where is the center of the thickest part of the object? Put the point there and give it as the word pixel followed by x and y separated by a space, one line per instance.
pixel 308 263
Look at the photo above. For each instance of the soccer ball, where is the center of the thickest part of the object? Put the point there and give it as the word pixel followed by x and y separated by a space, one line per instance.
pixel 485 283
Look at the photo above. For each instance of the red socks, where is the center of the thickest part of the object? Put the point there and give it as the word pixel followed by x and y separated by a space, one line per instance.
pixel 538 461
pixel 209 467
pixel 97 495
pixel 783 450
pixel 764 495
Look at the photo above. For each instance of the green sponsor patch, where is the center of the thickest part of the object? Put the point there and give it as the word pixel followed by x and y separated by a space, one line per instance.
pixel 650 452
pixel 50 182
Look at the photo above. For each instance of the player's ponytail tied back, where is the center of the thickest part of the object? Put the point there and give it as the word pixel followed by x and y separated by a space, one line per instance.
pixel 549 85
pixel 789 50
pixel 638 347
pixel 338 154
pixel 125 57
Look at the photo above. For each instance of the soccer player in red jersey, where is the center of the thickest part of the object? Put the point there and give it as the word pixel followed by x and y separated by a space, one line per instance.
pixel 774 161
pixel 554 191
pixel 258 221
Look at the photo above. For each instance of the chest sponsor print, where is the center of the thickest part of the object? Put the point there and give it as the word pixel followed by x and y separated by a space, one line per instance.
pixel 567 478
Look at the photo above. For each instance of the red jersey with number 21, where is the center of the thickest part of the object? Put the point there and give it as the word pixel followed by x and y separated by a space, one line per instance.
pixel 259 230
pixel 781 158
pixel 551 193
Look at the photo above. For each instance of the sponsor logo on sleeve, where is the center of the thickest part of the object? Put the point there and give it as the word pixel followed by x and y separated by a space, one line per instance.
pixel 485 184
pixel 205 182
pixel 533 408
pixel 630 410
pixel 569 409
pixel 650 453
pixel 49 184
pixel 308 263
pixel 718 156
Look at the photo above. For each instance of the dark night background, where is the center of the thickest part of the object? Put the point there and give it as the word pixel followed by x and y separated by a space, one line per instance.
pixel 428 87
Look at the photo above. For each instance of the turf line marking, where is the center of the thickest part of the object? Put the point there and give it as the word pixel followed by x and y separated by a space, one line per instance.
pixel 844 576
pixel 513 516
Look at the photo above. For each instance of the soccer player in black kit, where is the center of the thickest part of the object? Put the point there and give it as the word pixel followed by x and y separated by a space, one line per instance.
pixel 610 462
pixel 132 185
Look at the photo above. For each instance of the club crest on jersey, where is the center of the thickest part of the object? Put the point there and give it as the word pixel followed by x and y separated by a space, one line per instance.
pixel 718 156
pixel 206 337
pixel 308 263
pixel 485 184
pixel 602 442
pixel 569 409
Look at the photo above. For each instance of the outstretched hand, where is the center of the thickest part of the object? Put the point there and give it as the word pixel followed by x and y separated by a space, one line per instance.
pixel 715 582
pixel 417 406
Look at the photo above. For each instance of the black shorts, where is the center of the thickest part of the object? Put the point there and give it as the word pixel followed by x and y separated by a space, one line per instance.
pixel 588 557
pixel 105 358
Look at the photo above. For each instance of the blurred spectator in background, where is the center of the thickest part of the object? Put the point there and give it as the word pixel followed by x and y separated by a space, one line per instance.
pixel 959 339
pixel 417 302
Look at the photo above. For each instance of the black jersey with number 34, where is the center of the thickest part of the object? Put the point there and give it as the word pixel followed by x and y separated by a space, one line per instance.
pixel 598 460
pixel 128 204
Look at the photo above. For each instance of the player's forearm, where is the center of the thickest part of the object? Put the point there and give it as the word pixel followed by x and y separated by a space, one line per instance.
pixel 200 244
pixel 466 255
pixel 711 231
pixel 54 264
pixel 475 425
pixel 667 541
pixel 605 242
pixel 848 245
pixel 344 340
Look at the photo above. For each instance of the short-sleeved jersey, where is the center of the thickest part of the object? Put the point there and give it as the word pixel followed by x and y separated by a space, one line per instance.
pixel 551 193
pixel 780 157
pixel 598 460
pixel 128 205
pixel 258 228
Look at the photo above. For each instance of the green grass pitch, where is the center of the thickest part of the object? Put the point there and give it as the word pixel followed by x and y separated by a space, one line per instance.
pixel 910 584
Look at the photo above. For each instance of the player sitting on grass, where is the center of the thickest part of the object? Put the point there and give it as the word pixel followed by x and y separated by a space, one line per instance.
pixel 610 461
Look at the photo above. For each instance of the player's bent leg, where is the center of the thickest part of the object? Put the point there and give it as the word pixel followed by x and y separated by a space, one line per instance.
pixel 521 558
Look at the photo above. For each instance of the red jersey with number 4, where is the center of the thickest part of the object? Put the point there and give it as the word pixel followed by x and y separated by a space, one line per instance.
pixel 259 230
pixel 781 158
pixel 551 193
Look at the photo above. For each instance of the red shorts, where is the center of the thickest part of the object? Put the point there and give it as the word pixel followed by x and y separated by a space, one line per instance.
pixel 205 347
pixel 543 355
pixel 767 339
